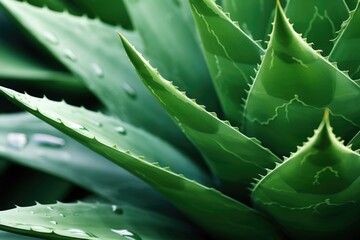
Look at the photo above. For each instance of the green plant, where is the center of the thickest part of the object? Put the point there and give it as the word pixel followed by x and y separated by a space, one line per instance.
pixel 238 187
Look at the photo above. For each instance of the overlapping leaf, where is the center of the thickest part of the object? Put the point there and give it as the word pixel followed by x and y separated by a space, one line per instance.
pixel 218 214
pixel 318 20
pixel 293 86
pixel 231 56
pixel 12 236
pixel 314 194
pixel 90 49
pixel 176 53
pixel 254 17
pixel 348 43
pixel 93 221
pixel 31 142
pixel 234 159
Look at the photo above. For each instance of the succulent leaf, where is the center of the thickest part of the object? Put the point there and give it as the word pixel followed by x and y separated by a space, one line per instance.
pixel 346 44
pixel 351 3
pixel 109 76
pixel 314 194
pixel 293 86
pixel 93 221
pixel 318 20
pixel 28 141
pixel 254 16
pixel 355 142
pixel 13 236
pixel 231 56
pixel 173 63
pixel 234 158
pixel 215 212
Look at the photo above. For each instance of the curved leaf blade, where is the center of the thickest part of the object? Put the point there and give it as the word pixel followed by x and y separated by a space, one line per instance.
pixel 293 86
pixel 28 141
pixel 254 16
pixel 173 59
pixel 218 214
pixel 100 66
pixel 93 221
pixel 234 159
pixel 318 20
pixel 347 43
pixel 314 194
pixel 231 56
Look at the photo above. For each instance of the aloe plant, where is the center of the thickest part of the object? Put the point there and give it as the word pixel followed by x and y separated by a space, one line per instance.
pixel 268 150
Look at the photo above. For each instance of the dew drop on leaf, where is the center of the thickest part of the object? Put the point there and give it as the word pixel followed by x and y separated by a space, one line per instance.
pixel 41 229
pixel 51 38
pixel 121 130
pixel 130 91
pixel 99 72
pixel 54 222
pixel 69 54
pixel 48 140
pixel 17 140
pixel 116 209
pixel 127 234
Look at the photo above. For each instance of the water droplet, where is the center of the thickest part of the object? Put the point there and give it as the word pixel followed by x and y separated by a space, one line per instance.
pixel 61 215
pixel 50 37
pixel 50 208
pixel 17 140
pixel 74 126
pixel 99 72
pixel 129 90
pixel 79 233
pixel 127 234
pixel 116 209
pixel 41 229
pixel 32 212
pixel 69 54
pixel 48 140
pixel 120 130
pixel 54 222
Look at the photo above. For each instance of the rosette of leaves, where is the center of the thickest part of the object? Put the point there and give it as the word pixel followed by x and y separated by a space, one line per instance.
pixel 284 74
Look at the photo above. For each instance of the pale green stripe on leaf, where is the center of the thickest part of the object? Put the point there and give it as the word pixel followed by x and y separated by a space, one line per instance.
pixel 293 86
pixel 347 46
pixel 254 17
pixel 318 20
pixel 233 158
pixel 355 142
pixel 103 67
pixel 231 56
pixel 171 45
pixel 26 140
pixel 315 193
pixel 215 212
pixel 93 221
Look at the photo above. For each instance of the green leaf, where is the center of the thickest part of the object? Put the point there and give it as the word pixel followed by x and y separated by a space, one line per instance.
pixel 355 142
pixel 172 47
pixel 109 11
pixel 12 236
pixel 108 75
pixel 347 43
pixel 254 16
pixel 18 63
pixel 231 56
pixel 93 221
pixel 293 86
pixel 314 194
pixel 31 142
pixel 234 159
pixel 217 213
pixel 351 3
pixel 318 20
